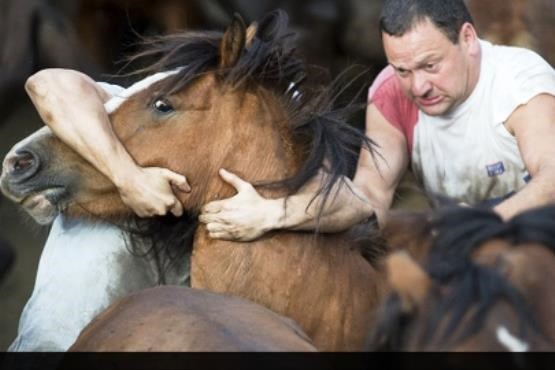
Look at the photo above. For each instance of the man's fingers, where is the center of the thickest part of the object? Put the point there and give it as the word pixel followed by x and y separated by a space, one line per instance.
pixel 150 212
pixel 219 218
pixel 178 181
pixel 232 179
pixel 206 218
pixel 142 214
pixel 215 227
pixel 177 208
pixel 212 207
pixel 221 235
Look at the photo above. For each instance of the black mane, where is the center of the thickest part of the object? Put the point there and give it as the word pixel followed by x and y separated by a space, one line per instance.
pixel 458 233
pixel 319 128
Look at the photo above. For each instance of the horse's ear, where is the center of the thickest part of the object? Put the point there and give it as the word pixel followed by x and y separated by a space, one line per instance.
pixel 251 34
pixel 407 279
pixel 233 42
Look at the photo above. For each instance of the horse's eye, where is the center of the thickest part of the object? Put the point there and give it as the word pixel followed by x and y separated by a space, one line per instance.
pixel 162 106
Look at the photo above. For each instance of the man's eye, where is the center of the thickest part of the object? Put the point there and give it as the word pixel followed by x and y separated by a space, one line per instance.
pixel 163 106
pixel 431 67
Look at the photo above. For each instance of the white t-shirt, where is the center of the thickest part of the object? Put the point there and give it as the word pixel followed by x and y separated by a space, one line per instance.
pixel 469 155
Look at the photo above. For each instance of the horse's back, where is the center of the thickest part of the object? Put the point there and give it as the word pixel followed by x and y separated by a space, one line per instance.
pixel 183 319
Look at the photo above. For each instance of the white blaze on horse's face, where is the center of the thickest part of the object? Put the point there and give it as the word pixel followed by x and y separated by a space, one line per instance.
pixel 512 343
pixel 113 104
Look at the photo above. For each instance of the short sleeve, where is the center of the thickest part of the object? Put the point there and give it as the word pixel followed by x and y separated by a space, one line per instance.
pixel 523 76
pixel 386 94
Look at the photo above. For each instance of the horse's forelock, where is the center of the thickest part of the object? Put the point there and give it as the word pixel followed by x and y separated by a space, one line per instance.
pixel 270 57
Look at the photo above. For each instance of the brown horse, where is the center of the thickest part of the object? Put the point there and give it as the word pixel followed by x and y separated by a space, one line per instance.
pixel 183 319
pixel 481 285
pixel 234 101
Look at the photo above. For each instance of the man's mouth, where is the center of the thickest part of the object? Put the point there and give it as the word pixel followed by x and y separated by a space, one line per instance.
pixel 430 101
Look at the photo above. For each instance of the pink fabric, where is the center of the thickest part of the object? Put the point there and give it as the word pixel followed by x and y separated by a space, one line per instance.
pixel 393 104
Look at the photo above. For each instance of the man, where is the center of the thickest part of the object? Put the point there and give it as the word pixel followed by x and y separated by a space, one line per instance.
pixel 476 121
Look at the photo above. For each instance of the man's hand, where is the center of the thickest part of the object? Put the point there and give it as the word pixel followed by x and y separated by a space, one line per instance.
pixel 150 191
pixel 243 217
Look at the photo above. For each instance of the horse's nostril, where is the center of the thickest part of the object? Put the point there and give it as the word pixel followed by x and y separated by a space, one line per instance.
pixel 22 165
pixel 23 162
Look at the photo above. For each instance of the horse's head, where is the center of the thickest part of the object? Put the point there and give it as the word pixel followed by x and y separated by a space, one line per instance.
pixel 480 288
pixel 220 101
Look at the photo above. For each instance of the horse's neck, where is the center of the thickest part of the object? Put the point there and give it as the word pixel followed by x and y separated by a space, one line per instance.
pixel 322 283
pixel 279 261
pixel 284 271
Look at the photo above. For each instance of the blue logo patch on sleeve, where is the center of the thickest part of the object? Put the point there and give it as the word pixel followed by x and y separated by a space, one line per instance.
pixel 496 169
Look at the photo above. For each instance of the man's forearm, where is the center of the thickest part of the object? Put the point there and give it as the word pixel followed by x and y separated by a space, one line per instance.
pixel 72 106
pixel 345 207
pixel 539 192
pixel 248 215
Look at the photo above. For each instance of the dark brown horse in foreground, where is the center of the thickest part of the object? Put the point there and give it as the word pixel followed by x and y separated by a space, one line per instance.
pixel 182 319
pixel 473 283
pixel 234 101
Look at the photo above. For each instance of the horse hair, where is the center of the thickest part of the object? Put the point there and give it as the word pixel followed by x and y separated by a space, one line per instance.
pixel 319 129
pixel 168 240
pixel 459 231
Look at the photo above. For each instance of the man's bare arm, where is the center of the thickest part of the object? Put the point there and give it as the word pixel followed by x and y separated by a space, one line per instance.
pixel 533 125
pixel 72 105
pixel 379 176
pixel 247 215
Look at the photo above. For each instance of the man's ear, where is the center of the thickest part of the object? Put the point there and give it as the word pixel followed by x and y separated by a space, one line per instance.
pixel 233 43
pixel 468 37
pixel 408 279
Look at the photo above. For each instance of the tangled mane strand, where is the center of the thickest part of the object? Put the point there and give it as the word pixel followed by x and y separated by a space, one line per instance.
pixel 165 240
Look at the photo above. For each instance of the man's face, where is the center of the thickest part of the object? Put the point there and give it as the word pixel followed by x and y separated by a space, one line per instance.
pixel 435 73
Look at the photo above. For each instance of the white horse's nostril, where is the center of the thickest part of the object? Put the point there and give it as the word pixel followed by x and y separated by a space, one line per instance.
pixel 21 162
pixel 20 165
pixel 21 150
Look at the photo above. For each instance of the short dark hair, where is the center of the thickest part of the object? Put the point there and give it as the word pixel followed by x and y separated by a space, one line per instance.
pixel 400 16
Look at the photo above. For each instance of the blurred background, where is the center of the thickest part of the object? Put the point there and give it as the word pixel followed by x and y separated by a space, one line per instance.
pixel 93 35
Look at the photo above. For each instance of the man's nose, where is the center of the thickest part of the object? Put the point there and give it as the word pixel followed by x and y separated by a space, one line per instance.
pixel 420 85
